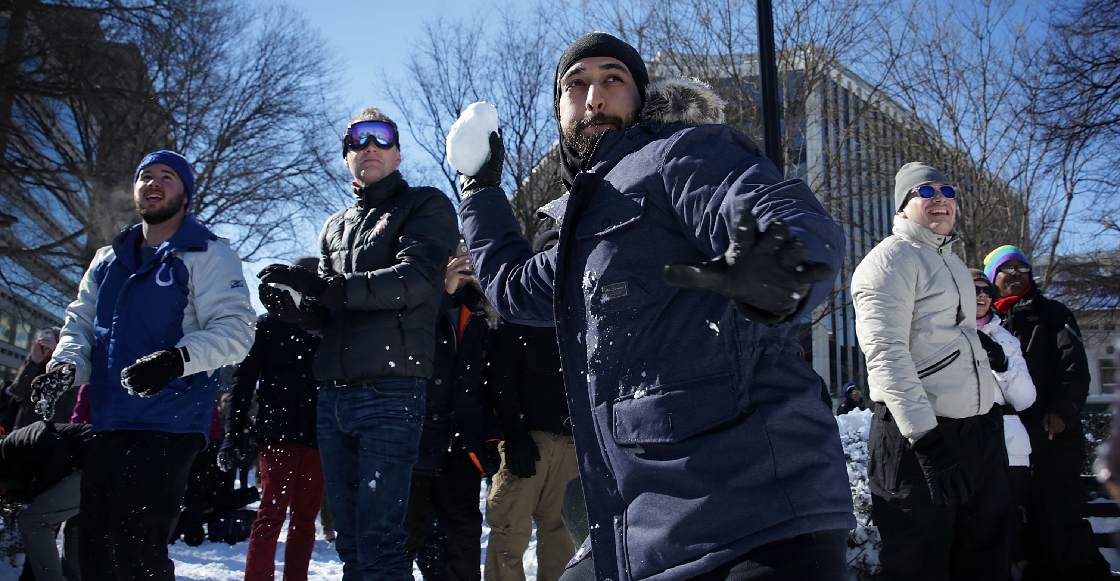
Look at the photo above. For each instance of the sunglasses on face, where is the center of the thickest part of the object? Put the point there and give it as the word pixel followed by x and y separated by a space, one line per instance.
pixel 1008 269
pixel 928 192
pixel 984 290
pixel 361 134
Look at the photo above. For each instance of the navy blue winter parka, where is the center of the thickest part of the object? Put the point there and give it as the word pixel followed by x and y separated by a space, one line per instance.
pixel 699 434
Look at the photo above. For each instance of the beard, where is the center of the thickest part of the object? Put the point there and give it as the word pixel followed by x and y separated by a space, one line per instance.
pixel 161 215
pixel 582 142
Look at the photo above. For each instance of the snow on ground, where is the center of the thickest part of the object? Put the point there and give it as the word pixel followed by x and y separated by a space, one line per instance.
pixel 221 562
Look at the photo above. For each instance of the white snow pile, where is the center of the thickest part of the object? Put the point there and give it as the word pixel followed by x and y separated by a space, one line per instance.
pixel 468 142
pixel 864 542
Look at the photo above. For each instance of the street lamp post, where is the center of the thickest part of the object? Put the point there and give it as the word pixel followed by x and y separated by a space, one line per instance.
pixel 768 74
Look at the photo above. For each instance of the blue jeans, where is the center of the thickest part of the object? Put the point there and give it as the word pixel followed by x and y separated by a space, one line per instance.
pixel 369 439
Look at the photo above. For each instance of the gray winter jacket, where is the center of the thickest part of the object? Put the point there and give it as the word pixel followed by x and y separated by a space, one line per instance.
pixel 916 323
pixel 392 246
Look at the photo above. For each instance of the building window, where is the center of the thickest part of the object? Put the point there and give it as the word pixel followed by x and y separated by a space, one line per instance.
pixel 1110 379
pixel 7 327
pixel 23 335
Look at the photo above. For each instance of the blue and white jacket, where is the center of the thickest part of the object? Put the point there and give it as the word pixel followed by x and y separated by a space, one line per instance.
pixel 190 293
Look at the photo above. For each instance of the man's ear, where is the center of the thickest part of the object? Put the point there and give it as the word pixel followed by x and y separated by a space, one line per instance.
pixel 398 156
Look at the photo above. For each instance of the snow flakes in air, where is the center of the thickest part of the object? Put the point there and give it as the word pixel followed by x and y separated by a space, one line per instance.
pixel 713 327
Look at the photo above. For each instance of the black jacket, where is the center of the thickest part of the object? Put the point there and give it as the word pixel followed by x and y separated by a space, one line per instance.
pixel 278 368
pixel 1055 355
pixel 392 246
pixel 459 416
pixel 528 390
pixel 36 457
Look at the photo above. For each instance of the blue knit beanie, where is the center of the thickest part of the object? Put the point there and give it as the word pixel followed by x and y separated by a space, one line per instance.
pixel 176 162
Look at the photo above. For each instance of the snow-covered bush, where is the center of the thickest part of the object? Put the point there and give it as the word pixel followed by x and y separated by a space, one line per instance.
pixel 863 542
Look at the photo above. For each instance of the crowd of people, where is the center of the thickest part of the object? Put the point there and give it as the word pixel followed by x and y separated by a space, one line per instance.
pixel 630 383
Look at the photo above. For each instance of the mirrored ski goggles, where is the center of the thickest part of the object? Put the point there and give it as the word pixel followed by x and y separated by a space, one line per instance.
pixel 360 134
pixel 928 192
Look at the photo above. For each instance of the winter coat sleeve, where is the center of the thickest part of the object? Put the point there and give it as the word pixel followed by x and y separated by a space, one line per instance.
pixel 245 379
pixel 75 343
pixel 424 245
pixel 1072 386
pixel 1015 383
pixel 519 283
pixel 709 182
pixel 225 315
pixel 883 293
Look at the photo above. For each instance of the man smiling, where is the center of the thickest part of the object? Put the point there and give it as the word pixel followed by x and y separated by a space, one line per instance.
pixel 937 467
pixel 158 311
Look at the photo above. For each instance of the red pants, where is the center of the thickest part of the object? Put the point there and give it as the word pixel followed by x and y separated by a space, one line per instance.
pixel 290 476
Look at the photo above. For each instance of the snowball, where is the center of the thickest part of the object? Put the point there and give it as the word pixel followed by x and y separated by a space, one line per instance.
pixel 468 142
pixel 296 295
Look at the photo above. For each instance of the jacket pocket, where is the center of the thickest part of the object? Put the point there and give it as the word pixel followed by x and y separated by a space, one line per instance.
pixel 939 365
pixel 667 414
pixel 620 212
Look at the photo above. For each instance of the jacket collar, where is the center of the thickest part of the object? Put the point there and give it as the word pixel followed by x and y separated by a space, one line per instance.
pixel 191 236
pixel 915 232
pixel 373 194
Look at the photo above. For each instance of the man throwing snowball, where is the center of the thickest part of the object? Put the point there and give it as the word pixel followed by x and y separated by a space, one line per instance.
pixel 157 313
pixel 375 300
pixel 684 266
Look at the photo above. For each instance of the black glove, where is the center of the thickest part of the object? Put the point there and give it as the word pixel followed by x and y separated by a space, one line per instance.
pixel 765 273
pixel 490 174
pixel 949 485
pixel 521 454
pixel 232 451
pixel 149 375
pixel 996 357
pixel 46 389
pixel 279 304
pixel 327 292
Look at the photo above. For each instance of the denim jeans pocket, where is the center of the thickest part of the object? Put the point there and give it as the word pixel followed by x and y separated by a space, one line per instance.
pixel 407 387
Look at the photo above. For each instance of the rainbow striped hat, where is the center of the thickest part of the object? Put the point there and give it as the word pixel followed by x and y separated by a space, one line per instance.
pixel 1000 255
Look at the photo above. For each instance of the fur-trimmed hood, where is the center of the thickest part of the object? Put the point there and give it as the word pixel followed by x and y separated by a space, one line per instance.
pixel 688 101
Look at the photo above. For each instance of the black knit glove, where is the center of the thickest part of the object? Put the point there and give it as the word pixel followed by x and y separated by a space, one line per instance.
pixel 765 273
pixel 232 452
pixel 490 174
pixel 949 485
pixel 46 389
pixel 521 454
pixel 328 292
pixel 151 373
pixel 996 357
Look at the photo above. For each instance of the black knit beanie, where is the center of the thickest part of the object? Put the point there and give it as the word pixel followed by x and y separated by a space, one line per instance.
pixel 593 44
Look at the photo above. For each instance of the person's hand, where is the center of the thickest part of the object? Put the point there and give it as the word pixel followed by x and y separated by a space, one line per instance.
pixel 151 373
pixel 949 485
pixel 46 389
pixel 490 174
pixel 1053 424
pixel 996 357
pixel 765 273
pixel 232 452
pixel 329 292
pixel 522 454
pixel 279 304
pixel 458 273
pixel 42 350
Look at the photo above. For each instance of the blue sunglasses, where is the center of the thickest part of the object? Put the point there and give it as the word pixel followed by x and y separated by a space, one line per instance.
pixel 928 192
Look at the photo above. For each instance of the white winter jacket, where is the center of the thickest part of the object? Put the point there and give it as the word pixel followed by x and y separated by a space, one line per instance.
pixel 1016 389
pixel 916 324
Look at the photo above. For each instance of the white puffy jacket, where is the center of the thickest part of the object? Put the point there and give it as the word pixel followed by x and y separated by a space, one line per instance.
pixel 916 324
pixel 1016 389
